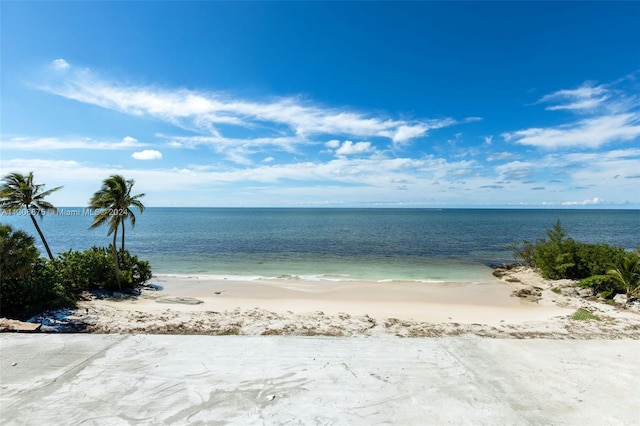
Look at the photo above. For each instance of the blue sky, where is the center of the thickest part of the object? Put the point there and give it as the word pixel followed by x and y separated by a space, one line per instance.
pixel 371 104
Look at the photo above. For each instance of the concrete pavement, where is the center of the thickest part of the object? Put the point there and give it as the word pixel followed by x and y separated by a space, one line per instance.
pixel 158 379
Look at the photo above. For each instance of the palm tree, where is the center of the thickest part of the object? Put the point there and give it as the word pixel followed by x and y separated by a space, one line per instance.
pixel 114 201
pixel 18 192
pixel 128 202
pixel 626 271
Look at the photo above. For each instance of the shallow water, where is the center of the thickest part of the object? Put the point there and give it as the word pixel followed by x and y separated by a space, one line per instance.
pixel 424 245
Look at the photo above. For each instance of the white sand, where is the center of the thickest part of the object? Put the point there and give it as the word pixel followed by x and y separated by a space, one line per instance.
pixel 296 307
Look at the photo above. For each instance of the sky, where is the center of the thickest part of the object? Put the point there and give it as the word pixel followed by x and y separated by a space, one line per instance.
pixel 326 104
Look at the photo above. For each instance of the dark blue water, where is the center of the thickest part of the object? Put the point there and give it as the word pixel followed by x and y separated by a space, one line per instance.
pixel 338 244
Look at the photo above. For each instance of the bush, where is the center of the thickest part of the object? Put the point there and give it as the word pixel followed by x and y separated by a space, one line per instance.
pixel 88 270
pixel 30 284
pixel 625 271
pixel 18 253
pixel 93 269
pixel 138 271
pixel 602 284
pixel 558 257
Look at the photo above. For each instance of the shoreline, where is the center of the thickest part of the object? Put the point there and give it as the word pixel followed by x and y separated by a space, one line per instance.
pixel 195 305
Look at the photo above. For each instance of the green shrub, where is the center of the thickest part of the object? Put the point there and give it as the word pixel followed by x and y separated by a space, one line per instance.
pixel 584 315
pixel 93 269
pixel 30 284
pixel 88 270
pixel 140 270
pixel 607 269
pixel 558 256
pixel 603 284
pixel 625 272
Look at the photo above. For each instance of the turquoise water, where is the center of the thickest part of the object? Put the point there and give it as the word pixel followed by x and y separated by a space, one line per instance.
pixel 335 244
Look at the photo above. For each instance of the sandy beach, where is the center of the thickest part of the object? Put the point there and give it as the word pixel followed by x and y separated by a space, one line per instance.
pixel 222 306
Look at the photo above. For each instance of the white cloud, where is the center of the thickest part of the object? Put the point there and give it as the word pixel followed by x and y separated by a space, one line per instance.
pixel 349 180
pixel 209 112
pixel 332 144
pixel 612 116
pixel 585 97
pixel 405 133
pixel 590 202
pixel 129 140
pixel 500 156
pixel 147 154
pixel 24 143
pixel 350 148
pixel 515 170
pixel 587 133
pixel 60 64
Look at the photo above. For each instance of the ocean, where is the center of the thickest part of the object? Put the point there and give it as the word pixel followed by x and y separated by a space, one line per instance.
pixel 422 245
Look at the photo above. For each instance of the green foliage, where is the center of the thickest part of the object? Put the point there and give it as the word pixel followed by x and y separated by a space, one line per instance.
pixel 602 284
pixel 19 192
pixel 607 269
pixel 584 315
pixel 88 270
pixel 114 202
pixel 625 271
pixel 558 256
pixel 523 251
pixel 139 270
pixel 29 284
pixel 93 269
pixel 18 252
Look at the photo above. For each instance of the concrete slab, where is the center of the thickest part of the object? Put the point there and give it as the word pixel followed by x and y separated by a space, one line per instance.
pixel 159 379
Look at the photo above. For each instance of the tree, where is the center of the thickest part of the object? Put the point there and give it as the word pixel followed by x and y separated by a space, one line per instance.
pixel 128 202
pixel 114 202
pixel 18 192
pixel 626 272
pixel 18 253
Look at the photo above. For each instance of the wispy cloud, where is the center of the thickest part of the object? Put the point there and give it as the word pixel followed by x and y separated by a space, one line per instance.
pixel 212 113
pixel 24 143
pixel 589 202
pixel 60 64
pixel 588 133
pixel 350 148
pixel 612 116
pixel 515 170
pixel 585 97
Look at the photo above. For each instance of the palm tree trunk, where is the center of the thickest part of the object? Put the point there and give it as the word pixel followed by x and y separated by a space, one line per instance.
pixel 115 259
pixel 44 242
pixel 122 245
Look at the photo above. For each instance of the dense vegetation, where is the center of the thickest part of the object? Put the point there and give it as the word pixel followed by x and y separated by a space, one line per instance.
pixel 609 270
pixel 30 284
